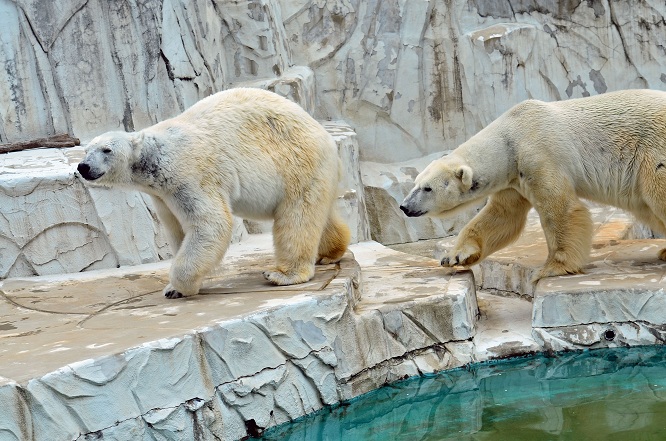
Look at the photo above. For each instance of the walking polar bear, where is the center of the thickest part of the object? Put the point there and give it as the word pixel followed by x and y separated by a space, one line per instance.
pixel 244 151
pixel 610 148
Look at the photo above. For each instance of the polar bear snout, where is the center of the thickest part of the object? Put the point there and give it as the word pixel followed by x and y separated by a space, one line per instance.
pixel 412 205
pixel 411 213
pixel 87 172
pixel 409 210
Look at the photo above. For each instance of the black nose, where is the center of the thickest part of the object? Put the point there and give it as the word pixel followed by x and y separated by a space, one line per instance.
pixel 83 168
pixel 412 213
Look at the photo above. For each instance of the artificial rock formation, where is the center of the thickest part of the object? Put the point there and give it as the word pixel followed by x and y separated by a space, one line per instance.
pixel 103 355
pixel 411 78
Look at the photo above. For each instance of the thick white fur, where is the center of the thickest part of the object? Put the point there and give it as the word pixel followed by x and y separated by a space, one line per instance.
pixel 610 148
pixel 244 151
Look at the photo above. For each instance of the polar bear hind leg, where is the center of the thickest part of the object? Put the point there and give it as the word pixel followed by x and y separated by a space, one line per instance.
pixel 654 193
pixel 297 228
pixel 334 240
pixel 567 225
pixel 653 221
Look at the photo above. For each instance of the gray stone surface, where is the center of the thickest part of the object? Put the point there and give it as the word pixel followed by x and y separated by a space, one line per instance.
pixel 620 301
pixel 104 354
pixel 417 77
pixel 412 77
pixel 87 67
pixel 51 223
pixel 504 328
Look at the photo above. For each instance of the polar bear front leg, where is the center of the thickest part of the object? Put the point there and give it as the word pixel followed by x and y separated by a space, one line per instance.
pixel 497 224
pixel 170 222
pixel 205 242
pixel 465 253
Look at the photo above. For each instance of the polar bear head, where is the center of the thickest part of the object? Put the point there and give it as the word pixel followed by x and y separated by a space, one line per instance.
pixel 445 186
pixel 109 157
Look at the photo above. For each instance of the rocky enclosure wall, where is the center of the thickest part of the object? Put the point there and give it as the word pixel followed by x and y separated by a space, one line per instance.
pixel 412 76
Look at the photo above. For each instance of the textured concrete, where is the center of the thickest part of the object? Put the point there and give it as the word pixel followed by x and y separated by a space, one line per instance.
pixel 414 77
pixel 417 77
pixel 619 302
pixel 104 354
pixel 504 328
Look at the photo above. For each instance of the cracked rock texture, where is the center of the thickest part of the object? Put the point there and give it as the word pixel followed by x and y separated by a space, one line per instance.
pixel 88 66
pixel 410 77
pixel 416 77
pixel 413 77
pixel 115 361
pixel 620 302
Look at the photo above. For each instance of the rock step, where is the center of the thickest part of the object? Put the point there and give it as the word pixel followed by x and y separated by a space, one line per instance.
pixel 620 301
pixel 509 270
pixel 104 352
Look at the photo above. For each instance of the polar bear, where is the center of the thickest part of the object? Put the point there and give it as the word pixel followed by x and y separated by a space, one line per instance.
pixel 244 151
pixel 610 148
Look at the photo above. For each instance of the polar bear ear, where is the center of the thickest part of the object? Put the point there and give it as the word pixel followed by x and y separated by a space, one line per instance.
pixel 137 140
pixel 465 174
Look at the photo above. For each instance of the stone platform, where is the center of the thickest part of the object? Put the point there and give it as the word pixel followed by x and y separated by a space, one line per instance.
pixel 103 354
pixel 619 301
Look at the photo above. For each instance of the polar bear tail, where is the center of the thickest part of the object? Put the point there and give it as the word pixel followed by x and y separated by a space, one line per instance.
pixel 334 240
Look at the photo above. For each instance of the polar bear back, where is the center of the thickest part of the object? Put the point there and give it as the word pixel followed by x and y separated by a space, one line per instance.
pixel 256 145
pixel 599 144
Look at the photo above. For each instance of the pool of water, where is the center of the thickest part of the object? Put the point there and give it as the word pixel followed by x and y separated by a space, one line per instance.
pixel 617 394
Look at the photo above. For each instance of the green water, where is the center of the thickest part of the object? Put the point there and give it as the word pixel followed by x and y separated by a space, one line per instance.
pixel 609 395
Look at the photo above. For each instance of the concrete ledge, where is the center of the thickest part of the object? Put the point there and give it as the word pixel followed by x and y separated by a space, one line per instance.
pixel 103 353
pixel 509 270
pixel 620 301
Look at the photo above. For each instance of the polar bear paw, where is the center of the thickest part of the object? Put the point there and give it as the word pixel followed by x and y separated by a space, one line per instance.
pixel 280 278
pixel 464 255
pixel 327 261
pixel 662 254
pixel 553 269
pixel 171 293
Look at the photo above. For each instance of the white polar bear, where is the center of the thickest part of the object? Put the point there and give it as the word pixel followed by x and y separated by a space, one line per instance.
pixel 610 148
pixel 244 151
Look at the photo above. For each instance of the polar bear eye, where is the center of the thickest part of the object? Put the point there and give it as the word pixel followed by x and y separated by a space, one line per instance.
pixel 427 188
pixel 106 150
